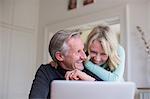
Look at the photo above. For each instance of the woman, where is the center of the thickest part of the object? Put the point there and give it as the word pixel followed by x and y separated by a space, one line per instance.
pixel 106 56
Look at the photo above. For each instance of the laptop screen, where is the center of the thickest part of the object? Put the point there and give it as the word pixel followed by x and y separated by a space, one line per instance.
pixel 92 90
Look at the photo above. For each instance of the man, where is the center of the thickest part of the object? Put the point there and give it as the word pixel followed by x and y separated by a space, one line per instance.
pixel 66 49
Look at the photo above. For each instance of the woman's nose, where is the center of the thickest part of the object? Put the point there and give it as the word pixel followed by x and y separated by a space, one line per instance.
pixel 98 57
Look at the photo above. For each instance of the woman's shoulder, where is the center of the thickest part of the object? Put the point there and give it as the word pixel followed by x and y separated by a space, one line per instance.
pixel 121 49
pixel 121 52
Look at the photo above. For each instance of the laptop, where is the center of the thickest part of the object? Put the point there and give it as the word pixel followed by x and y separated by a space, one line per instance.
pixel 61 89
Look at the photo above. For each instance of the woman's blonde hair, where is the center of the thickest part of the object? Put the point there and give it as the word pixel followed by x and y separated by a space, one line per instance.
pixel 109 43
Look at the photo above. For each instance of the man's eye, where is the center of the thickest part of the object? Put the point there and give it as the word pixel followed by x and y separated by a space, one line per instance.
pixel 79 51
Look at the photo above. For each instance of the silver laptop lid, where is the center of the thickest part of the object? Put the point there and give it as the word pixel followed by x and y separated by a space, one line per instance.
pixel 92 90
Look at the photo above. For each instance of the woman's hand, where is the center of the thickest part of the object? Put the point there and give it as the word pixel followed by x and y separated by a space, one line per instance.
pixel 78 75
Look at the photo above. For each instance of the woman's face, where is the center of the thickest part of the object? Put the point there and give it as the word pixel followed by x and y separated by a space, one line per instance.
pixel 97 54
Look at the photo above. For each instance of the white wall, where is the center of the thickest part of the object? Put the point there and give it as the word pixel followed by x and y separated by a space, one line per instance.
pixel 137 15
pixel 1 73
pixel 148 8
pixel 1 70
pixel 18 35
pixel 54 11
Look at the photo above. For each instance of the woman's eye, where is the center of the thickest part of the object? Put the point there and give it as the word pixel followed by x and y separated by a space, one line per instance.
pixel 93 52
pixel 103 54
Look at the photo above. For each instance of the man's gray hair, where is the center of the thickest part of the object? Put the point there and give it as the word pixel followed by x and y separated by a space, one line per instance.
pixel 58 42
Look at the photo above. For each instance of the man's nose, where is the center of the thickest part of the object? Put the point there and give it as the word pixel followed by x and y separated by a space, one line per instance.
pixel 83 55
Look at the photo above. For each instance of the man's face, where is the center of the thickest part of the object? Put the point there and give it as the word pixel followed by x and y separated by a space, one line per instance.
pixel 75 55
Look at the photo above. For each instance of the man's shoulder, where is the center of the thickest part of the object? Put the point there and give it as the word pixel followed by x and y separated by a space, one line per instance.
pixel 46 67
pixel 46 71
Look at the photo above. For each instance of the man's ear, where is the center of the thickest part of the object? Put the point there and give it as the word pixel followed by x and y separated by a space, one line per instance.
pixel 59 56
